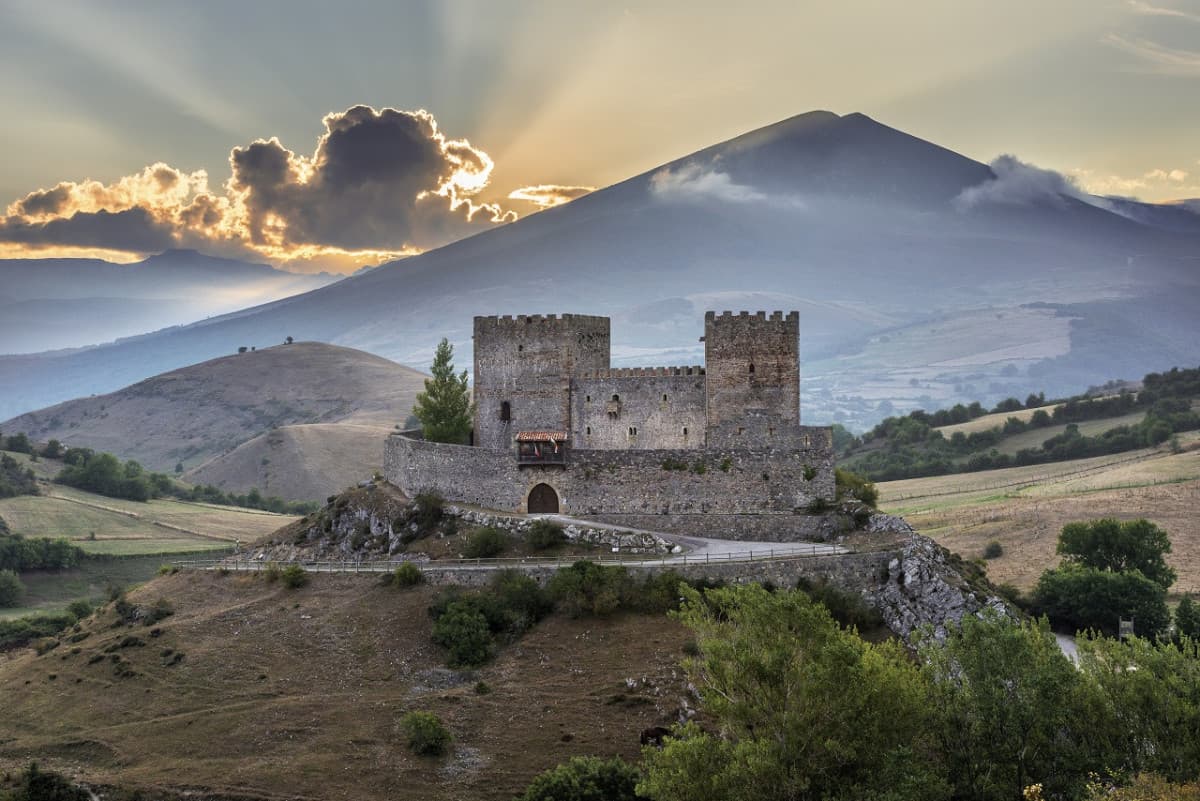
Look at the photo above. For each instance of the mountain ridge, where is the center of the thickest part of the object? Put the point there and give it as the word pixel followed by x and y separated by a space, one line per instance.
pixel 872 226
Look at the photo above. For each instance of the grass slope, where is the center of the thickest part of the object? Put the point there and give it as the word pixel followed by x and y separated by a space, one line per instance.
pixel 297 694
pixel 195 413
pixel 1025 508
pixel 298 463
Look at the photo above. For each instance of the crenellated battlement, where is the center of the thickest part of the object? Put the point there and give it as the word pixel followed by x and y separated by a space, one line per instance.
pixel 642 372
pixel 727 317
pixel 542 322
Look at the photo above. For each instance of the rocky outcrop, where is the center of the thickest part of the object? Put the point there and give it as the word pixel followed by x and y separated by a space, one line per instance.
pixel 927 585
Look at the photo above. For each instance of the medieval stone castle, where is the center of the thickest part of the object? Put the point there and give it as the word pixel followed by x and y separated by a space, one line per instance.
pixel 715 450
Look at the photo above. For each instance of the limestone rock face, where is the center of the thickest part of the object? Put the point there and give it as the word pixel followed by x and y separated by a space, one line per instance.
pixel 926 585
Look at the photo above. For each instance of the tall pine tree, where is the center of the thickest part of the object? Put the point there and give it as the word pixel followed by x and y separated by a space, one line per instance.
pixel 444 408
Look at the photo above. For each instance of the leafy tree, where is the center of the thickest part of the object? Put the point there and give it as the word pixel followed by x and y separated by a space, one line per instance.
pixel 1187 618
pixel 775 674
pixel 19 443
pixel 585 779
pixel 1151 703
pixel 1081 598
pixel 53 449
pixel 444 408
pixel 1009 708
pixel 1119 546
pixel 11 589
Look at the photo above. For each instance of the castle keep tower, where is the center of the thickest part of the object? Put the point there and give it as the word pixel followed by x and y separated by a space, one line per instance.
pixel 752 392
pixel 523 370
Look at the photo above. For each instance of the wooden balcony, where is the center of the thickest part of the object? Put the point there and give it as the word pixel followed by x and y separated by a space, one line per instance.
pixel 541 447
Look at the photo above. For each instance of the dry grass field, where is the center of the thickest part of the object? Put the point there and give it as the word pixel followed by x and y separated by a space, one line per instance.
pixel 297 694
pixel 1024 508
pixel 298 463
pixel 112 526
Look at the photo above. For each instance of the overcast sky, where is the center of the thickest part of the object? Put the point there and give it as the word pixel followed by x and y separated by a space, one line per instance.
pixel 146 100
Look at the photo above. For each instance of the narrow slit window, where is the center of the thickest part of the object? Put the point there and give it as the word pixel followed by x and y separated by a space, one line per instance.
pixel 505 411
pixel 589 431
pixel 685 431
pixel 633 431
pixel 751 368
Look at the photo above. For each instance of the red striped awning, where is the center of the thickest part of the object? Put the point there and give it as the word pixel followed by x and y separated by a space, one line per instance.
pixel 542 436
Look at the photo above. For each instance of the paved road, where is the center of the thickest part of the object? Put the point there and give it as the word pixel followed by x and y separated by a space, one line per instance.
pixel 700 546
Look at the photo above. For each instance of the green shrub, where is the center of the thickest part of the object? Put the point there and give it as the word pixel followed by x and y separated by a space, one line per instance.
pixel 168 570
pixel 11 589
pixel 38 785
pixel 294 577
pixel 24 630
pixel 407 575
pixel 847 608
pixel 513 603
pixel 427 512
pixel 585 779
pixel 79 609
pixel 483 688
pixel 852 485
pixel 463 631
pixel 544 534
pixel 586 588
pixel 485 543
pixel 993 550
pixel 426 733
pixel 272 572
pixel 726 464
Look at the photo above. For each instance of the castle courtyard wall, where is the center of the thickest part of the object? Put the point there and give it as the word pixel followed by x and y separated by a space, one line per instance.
pixel 750 494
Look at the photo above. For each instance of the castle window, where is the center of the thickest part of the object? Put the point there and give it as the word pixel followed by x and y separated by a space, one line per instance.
pixel 589 431
pixel 520 348
pixel 741 430
pixel 505 411
pixel 588 398
pixel 751 368
pixel 617 398
pixel 633 431
pixel 685 431
pixel 664 397
pixel 770 432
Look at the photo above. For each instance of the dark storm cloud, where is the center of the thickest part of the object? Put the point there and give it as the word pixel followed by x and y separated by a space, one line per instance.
pixel 131 229
pixel 379 183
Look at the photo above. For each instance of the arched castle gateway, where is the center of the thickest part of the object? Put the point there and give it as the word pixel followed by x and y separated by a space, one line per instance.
pixel 715 450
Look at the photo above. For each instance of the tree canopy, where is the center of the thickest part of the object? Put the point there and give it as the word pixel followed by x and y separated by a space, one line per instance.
pixel 1119 547
pixel 444 408
pixel 805 709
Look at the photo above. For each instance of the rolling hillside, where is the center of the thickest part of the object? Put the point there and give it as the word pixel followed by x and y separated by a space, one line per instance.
pixel 1025 508
pixel 298 463
pixel 196 413
pixel 297 694
pixel 891 246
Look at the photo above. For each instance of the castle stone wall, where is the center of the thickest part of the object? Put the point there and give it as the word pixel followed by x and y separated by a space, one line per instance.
pixel 527 361
pixel 752 390
pixel 763 490
pixel 638 408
